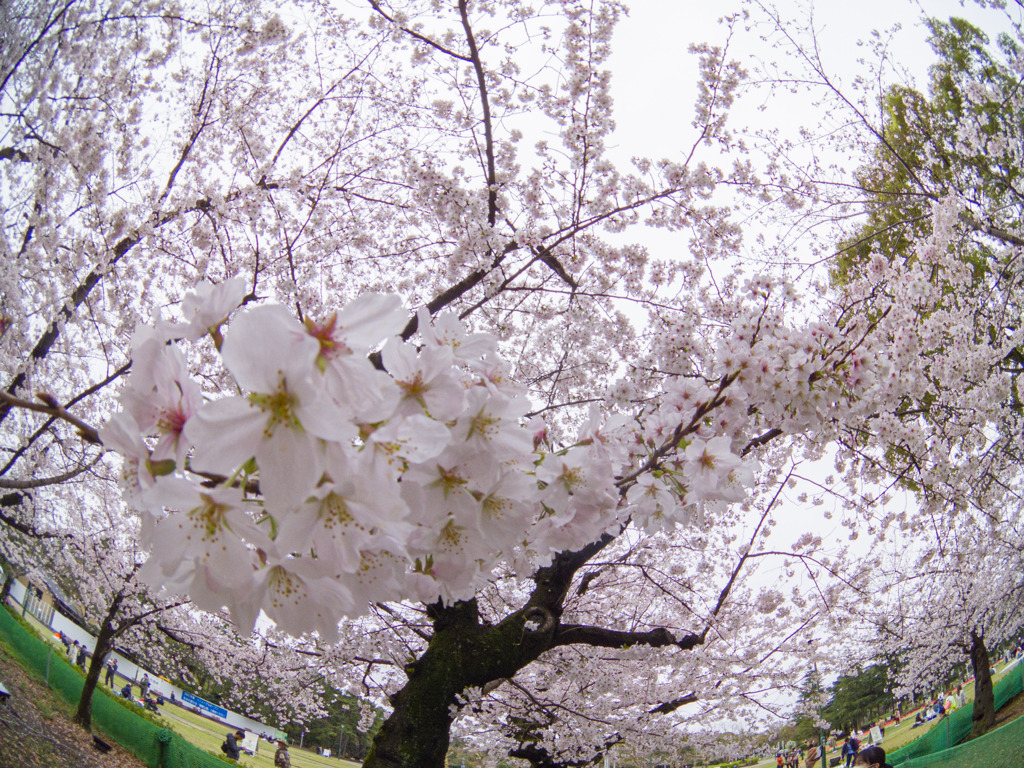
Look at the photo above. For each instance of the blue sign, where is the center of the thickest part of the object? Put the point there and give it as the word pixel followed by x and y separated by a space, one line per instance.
pixel 195 701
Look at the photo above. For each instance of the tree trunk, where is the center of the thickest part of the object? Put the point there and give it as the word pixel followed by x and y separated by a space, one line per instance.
pixel 104 642
pixel 8 568
pixel 464 653
pixel 5 590
pixel 984 716
pixel 461 654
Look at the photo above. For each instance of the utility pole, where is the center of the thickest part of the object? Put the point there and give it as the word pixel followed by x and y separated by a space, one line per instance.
pixel 821 731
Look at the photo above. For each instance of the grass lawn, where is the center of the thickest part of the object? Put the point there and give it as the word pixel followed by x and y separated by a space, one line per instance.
pixel 208 735
pixel 900 735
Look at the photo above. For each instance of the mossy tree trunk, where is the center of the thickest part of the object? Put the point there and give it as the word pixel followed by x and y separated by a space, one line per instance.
pixel 463 652
pixel 984 716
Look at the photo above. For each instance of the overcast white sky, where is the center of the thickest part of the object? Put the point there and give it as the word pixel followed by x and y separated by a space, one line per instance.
pixel 654 77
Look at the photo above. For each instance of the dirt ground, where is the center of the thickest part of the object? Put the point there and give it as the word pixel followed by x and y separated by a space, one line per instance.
pixel 36 729
pixel 1011 710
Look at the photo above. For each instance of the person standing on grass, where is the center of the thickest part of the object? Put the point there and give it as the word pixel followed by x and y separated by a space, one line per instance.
pixel 230 745
pixel 812 755
pixel 144 686
pixel 281 757
pixel 111 669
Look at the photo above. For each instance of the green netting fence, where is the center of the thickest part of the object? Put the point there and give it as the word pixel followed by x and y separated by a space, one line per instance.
pixel 950 730
pixel 1009 686
pixel 155 746
pixel 953 729
pixel 1000 748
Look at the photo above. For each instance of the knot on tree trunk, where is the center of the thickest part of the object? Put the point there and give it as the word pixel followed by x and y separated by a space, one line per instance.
pixel 538 620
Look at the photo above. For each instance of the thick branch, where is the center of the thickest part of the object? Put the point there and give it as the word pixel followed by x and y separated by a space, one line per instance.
pixel 999 234
pixel 375 4
pixel 42 347
pixel 553 581
pixel 599 637
pixel 130 621
pixel 173 634
pixel 760 440
pixel 26 444
pixel 42 33
pixel 548 258
pixel 12 153
pixel 458 290
pixel 672 706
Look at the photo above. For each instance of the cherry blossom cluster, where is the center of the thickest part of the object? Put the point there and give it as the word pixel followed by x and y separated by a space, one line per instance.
pixel 325 483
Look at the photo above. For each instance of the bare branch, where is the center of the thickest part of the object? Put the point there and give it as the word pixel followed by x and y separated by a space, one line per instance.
pixel 52 408
pixel 375 4
pixel 54 480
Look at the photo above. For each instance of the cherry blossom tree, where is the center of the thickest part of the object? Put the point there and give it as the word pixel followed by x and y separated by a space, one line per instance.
pixel 938 198
pixel 207 213
pixel 949 603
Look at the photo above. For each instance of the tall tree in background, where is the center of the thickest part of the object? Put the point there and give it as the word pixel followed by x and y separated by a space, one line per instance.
pixel 857 699
pixel 960 138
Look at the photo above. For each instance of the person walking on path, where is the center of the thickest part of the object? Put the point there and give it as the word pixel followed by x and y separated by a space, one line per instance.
pixel 281 757
pixel 848 753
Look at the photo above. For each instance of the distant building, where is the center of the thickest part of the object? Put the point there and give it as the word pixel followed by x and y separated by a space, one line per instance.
pixel 43 596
